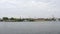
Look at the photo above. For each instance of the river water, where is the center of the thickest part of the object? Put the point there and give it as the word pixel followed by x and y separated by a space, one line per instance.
pixel 46 27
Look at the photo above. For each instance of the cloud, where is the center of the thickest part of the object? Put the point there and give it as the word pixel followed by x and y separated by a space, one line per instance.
pixel 31 4
pixel 34 5
pixel 7 4
pixel 39 8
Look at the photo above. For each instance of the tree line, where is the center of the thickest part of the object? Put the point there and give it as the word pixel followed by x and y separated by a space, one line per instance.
pixel 15 19
pixel 26 19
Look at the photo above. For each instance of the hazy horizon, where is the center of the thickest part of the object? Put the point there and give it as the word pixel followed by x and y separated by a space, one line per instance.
pixel 29 8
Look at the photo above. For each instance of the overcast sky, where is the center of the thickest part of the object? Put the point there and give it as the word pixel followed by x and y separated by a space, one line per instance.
pixel 29 8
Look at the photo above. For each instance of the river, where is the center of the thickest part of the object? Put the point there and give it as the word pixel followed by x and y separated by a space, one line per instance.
pixel 46 27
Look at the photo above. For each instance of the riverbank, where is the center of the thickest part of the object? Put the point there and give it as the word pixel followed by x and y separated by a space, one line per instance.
pixel 5 19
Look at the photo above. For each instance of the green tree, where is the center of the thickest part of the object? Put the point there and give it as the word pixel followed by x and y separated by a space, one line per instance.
pixel 5 18
pixel 12 18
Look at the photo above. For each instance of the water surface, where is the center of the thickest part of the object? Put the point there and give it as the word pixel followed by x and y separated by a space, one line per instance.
pixel 30 27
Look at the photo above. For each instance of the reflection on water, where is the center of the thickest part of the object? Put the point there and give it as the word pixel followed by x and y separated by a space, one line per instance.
pixel 30 27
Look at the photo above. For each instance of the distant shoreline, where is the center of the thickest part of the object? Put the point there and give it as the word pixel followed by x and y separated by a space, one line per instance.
pixel 27 21
pixel 6 19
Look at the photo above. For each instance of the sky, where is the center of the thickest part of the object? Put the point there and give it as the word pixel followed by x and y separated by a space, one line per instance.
pixel 30 8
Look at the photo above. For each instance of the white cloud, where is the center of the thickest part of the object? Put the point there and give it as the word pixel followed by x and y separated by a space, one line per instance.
pixel 7 3
pixel 35 6
pixel 31 7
